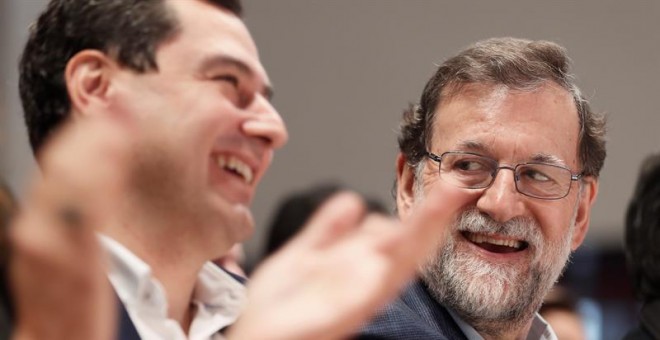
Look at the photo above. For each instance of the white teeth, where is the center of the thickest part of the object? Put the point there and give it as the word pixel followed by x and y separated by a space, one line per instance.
pixel 236 165
pixel 479 238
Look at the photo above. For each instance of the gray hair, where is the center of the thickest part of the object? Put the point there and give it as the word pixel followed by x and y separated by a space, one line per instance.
pixel 517 64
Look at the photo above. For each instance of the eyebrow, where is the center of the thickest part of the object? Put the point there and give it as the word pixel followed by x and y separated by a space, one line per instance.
pixel 242 67
pixel 548 159
pixel 481 148
pixel 474 146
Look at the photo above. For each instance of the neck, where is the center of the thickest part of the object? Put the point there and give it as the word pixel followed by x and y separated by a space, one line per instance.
pixel 175 272
pixel 505 331
pixel 179 287
pixel 172 252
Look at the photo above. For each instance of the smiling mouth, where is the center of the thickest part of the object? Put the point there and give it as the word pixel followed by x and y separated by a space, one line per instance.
pixel 495 245
pixel 236 167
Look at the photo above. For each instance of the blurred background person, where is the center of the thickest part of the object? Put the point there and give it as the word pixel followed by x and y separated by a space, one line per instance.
pixel 560 310
pixel 295 209
pixel 7 209
pixel 642 248
pixel 291 215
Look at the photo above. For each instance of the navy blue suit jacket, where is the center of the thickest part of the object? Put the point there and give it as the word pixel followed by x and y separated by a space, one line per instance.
pixel 415 314
pixel 126 330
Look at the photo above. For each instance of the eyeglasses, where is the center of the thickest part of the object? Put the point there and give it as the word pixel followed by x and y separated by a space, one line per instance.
pixel 474 171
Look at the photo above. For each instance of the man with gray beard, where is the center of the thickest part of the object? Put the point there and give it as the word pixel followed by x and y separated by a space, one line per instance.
pixel 503 130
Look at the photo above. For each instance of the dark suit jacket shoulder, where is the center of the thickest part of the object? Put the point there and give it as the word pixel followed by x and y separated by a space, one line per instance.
pixel 413 315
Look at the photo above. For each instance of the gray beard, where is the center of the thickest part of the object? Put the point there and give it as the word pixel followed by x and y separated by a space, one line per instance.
pixel 495 298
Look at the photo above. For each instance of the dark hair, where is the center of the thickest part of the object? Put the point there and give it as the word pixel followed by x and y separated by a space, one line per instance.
pixel 516 63
pixel 642 234
pixel 128 30
pixel 7 211
pixel 295 209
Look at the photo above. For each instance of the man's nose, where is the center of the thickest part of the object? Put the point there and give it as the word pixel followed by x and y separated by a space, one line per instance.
pixel 265 123
pixel 501 200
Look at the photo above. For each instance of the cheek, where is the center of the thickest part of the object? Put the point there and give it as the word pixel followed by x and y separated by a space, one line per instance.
pixel 456 199
pixel 266 161
pixel 555 219
pixel 203 126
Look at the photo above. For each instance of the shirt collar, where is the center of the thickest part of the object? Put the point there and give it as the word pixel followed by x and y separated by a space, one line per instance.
pixel 215 290
pixel 540 329
pixel 131 277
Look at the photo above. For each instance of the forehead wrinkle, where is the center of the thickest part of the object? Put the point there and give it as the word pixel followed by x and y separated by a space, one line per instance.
pixel 485 149
pixel 487 102
pixel 492 98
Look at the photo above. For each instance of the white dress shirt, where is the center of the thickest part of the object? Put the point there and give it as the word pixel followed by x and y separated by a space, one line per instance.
pixel 218 297
pixel 540 329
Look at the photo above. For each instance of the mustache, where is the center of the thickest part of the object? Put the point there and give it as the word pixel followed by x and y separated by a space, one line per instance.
pixel 522 228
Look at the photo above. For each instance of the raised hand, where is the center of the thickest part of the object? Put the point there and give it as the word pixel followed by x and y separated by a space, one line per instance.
pixel 57 268
pixel 335 275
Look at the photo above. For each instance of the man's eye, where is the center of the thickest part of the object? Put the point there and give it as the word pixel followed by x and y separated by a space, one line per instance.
pixel 535 175
pixel 228 78
pixel 469 165
pixel 237 93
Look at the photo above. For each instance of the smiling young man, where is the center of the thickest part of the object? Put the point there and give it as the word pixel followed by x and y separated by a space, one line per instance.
pixel 503 130
pixel 152 126
pixel 191 70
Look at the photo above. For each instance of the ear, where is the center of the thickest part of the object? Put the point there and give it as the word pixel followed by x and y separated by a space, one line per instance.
pixel 405 184
pixel 88 75
pixel 587 199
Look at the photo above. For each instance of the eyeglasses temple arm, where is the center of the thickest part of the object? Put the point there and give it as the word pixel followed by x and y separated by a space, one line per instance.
pixel 433 156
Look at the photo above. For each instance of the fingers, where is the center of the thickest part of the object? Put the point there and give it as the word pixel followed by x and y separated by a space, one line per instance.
pixel 352 264
pixel 83 172
pixel 41 236
pixel 423 231
pixel 57 267
pixel 57 278
pixel 63 206
pixel 342 213
pixel 83 160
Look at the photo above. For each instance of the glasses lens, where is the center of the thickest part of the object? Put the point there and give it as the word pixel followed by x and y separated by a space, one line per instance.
pixel 467 170
pixel 543 180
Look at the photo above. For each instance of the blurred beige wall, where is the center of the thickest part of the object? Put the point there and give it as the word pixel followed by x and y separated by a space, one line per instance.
pixel 16 162
pixel 344 70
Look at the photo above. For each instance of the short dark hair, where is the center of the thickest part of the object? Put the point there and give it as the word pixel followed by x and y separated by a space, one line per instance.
pixel 128 30
pixel 517 64
pixel 642 234
pixel 295 209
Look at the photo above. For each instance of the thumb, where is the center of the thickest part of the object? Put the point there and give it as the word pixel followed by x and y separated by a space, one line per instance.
pixel 425 229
